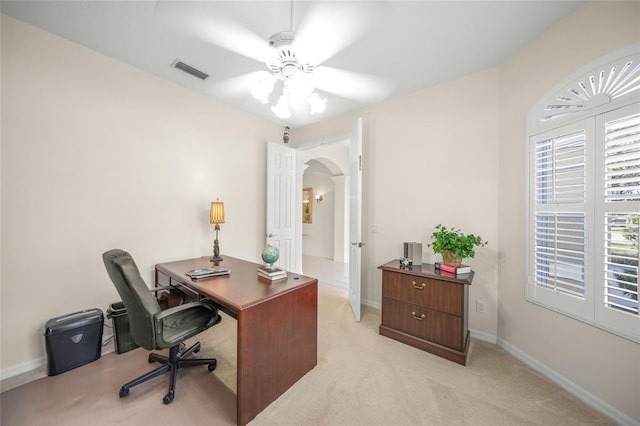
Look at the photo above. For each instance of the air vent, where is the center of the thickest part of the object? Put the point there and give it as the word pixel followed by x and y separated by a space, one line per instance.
pixel 189 69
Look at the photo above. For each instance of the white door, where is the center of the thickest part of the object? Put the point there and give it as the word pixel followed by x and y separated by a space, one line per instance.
pixel 281 204
pixel 355 220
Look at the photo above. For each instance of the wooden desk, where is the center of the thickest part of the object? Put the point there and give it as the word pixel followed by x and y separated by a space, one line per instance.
pixel 277 325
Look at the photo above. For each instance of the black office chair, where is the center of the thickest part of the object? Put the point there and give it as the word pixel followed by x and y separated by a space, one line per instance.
pixel 153 328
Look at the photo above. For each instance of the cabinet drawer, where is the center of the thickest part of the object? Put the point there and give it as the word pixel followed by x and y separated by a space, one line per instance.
pixel 442 296
pixel 427 324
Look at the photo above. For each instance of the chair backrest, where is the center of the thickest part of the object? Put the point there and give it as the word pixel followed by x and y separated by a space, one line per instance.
pixel 140 303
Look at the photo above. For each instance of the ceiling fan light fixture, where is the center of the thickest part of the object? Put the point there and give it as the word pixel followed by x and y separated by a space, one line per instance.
pixel 263 87
pixel 282 107
pixel 299 86
pixel 317 104
pixel 295 75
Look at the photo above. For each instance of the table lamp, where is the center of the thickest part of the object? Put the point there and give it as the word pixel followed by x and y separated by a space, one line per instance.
pixel 217 217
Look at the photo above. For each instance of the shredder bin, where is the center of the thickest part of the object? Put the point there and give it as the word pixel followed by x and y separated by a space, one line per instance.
pixel 73 340
pixel 122 338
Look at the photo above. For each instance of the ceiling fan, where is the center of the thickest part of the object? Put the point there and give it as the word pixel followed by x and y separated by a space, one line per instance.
pixel 294 78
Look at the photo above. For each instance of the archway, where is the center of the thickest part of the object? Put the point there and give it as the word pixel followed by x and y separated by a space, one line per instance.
pixel 325 241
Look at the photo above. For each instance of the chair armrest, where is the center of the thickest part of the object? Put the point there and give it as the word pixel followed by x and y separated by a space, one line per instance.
pixel 180 322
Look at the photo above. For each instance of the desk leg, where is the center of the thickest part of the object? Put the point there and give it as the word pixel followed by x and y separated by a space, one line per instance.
pixel 277 345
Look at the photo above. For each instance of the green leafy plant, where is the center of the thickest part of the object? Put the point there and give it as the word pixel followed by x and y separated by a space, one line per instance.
pixel 455 241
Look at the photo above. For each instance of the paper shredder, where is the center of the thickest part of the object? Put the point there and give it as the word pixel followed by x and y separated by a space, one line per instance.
pixel 73 340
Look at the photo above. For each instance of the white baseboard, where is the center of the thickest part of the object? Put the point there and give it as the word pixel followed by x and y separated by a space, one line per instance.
pixel 376 305
pixel 25 367
pixel 41 363
pixel 566 384
pixel 485 337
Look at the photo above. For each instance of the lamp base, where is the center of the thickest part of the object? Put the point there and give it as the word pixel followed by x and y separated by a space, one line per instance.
pixel 216 249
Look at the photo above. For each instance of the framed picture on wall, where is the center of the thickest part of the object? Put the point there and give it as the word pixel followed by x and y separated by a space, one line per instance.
pixel 307 205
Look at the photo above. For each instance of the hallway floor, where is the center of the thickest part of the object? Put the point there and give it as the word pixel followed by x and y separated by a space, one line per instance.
pixel 330 274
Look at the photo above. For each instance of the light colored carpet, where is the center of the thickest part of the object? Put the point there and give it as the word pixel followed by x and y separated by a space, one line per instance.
pixel 361 378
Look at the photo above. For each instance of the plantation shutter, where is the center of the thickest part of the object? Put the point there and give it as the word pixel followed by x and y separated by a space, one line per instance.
pixel 559 225
pixel 583 197
pixel 621 179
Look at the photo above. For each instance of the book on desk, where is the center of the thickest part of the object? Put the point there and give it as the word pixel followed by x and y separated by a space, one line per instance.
pixel 272 274
pixel 214 271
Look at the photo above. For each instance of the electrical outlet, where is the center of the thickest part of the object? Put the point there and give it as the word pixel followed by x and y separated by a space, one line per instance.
pixel 480 307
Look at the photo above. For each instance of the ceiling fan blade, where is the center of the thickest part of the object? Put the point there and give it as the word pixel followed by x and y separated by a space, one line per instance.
pixel 235 38
pixel 238 86
pixel 329 27
pixel 204 22
pixel 352 85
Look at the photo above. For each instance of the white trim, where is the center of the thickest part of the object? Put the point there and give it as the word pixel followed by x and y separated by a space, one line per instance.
pixel 326 141
pixel 372 304
pixel 585 309
pixel 484 336
pixel 534 125
pixel 25 367
pixel 578 391
pixel 41 363
pixel 559 380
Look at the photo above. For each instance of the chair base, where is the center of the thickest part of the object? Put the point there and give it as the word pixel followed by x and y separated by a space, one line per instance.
pixel 170 364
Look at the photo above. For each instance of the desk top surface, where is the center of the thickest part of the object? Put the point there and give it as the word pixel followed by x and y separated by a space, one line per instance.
pixel 427 270
pixel 239 290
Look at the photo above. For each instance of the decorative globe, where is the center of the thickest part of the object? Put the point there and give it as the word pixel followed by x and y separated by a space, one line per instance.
pixel 270 255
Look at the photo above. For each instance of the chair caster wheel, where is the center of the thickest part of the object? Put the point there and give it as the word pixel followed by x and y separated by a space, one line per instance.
pixel 168 398
pixel 124 392
pixel 196 350
pixel 212 366
pixel 150 359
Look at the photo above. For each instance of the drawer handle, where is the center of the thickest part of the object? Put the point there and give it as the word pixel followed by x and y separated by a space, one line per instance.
pixel 419 287
pixel 419 318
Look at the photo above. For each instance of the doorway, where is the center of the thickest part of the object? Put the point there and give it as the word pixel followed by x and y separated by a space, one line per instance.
pixel 325 238
pixel 287 211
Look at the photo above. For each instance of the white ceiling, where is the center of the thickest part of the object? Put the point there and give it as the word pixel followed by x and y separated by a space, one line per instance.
pixel 370 50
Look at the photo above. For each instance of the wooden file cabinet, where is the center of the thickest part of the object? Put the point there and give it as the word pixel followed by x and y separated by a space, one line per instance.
pixel 426 309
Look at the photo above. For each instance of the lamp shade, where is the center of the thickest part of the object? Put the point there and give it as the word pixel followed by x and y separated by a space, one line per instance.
pixel 217 212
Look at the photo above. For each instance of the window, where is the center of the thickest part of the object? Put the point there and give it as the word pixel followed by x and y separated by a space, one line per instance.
pixel 584 200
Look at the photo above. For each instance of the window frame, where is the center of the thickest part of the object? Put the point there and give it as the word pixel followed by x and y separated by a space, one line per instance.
pixel 591 116
pixel 612 318
pixel 556 300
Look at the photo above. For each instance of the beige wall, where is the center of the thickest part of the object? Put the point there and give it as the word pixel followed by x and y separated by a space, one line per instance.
pixel 318 236
pixel 451 154
pixel 99 155
pixel 429 157
pixel 583 354
pixel 455 154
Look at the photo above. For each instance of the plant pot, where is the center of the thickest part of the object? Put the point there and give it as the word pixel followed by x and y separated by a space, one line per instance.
pixel 449 258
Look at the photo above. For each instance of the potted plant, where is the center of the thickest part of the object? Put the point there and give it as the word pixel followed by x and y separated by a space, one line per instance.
pixel 454 245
